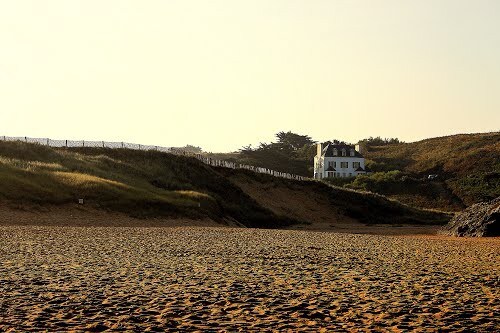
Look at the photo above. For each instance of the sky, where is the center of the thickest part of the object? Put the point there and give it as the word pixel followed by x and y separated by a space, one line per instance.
pixel 225 74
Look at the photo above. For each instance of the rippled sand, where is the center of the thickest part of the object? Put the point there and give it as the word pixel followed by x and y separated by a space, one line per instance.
pixel 222 279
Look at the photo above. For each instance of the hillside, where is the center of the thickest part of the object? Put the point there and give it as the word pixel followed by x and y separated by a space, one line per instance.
pixel 147 184
pixel 467 165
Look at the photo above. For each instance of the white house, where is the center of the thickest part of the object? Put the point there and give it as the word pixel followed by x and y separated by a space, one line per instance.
pixel 338 160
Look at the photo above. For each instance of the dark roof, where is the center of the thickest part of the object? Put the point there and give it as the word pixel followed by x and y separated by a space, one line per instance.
pixel 359 169
pixel 330 168
pixel 328 150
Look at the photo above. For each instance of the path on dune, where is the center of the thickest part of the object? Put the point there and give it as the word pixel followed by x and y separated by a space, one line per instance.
pixel 211 279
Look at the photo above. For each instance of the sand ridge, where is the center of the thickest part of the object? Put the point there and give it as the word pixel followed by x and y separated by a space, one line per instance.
pixel 227 280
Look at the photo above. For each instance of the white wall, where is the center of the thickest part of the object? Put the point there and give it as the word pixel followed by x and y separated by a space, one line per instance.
pixel 320 170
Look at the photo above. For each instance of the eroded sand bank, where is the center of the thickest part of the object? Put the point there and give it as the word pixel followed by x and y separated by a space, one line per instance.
pixel 225 279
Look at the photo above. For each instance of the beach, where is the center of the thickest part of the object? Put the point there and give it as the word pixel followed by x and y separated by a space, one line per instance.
pixel 57 278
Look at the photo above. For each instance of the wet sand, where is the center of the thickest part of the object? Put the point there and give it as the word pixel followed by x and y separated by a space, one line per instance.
pixel 229 279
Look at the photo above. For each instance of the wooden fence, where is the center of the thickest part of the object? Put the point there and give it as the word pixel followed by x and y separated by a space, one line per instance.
pixel 176 151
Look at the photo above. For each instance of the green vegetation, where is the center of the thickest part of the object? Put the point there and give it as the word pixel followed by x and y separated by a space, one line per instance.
pixel 139 183
pixel 467 167
pixel 378 141
pixel 149 183
pixel 378 181
pixel 482 186
pixel 403 187
pixel 292 153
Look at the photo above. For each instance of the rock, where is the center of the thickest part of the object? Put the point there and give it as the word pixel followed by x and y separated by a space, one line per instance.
pixel 479 220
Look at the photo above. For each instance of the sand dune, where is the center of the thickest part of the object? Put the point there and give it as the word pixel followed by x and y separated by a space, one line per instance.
pixel 224 279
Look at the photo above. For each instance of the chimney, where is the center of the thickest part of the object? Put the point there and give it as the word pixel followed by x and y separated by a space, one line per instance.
pixel 319 149
pixel 358 148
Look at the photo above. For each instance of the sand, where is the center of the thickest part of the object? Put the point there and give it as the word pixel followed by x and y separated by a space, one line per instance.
pixel 233 279
pixel 85 216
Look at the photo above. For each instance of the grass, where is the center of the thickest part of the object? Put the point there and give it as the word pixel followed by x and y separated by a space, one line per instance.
pixel 404 187
pixel 468 165
pixel 148 183
pixel 138 183
pixel 468 169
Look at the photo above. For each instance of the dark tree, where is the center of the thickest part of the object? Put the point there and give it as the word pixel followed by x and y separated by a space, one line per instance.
pixel 293 142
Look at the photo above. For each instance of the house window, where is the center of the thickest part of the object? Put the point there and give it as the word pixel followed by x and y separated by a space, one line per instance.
pixel 344 165
pixel 330 164
pixel 343 152
pixel 335 152
pixel 352 152
pixel 350 174
pixel 355 165
pixel 334 164
pixel 343 174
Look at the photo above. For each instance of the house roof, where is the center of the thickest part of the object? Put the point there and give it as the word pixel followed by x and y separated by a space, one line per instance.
pixel 330 168
pixel 328 150
pixel 359 169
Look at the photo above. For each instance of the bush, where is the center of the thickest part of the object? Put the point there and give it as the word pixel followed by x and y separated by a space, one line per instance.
pixel 339 181
pixel 376 182
pixel 477 187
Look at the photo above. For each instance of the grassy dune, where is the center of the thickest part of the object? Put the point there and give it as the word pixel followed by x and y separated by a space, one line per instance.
pixel 468 165
pixel 138 183
pixel 148 183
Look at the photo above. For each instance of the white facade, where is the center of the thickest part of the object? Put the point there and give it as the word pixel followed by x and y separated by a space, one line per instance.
pixel 338 161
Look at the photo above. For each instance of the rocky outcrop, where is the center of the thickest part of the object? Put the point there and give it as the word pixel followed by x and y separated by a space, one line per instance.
pixel 479 220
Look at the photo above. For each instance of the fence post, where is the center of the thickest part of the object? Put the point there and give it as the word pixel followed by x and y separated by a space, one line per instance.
pixel 207 160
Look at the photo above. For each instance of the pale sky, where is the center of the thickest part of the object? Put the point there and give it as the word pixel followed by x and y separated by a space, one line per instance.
pixel 223 74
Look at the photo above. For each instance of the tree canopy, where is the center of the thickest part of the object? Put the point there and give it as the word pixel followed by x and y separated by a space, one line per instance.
pixel 294 153
pixel 290 153
pixel 292 141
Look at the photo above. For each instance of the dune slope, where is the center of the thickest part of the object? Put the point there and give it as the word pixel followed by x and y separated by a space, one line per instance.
pixel 146 184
